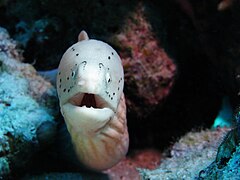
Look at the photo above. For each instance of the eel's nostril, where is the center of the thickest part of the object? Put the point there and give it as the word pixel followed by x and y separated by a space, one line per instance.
pixel 101 65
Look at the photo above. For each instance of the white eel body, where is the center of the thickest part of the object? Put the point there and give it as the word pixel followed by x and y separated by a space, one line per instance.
pixel 90 84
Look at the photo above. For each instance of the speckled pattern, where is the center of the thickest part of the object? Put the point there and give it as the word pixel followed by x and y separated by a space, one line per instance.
pixel 90 89
pixel 91 58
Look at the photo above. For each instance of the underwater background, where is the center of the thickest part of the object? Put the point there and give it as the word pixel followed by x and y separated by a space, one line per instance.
pixel 181 62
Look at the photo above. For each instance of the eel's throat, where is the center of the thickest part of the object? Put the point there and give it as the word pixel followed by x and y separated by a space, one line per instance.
pixel 85 113
pixel 89 101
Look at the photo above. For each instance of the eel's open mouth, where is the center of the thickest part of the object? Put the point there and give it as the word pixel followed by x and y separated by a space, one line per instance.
pixel 88 101
pixel 87 110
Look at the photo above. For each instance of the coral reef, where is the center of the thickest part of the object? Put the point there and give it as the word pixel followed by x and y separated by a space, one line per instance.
pixel 192 152
pixel 149 71
pixel 127 169
pixel 8 46
pixel 226 164
pixel 148 36
pixel 26 100
pixel 201 36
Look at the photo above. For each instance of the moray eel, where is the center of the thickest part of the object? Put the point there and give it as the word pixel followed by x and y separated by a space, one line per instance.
pixel 90 84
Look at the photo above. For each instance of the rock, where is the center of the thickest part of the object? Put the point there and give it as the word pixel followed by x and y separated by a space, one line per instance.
pixel 149 71
pixel 188 156
pixel 127 168
pixel 226 164
pixel 8 46
pixel 26 102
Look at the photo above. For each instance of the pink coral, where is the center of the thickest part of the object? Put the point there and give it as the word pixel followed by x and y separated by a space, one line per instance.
pixel 149 72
